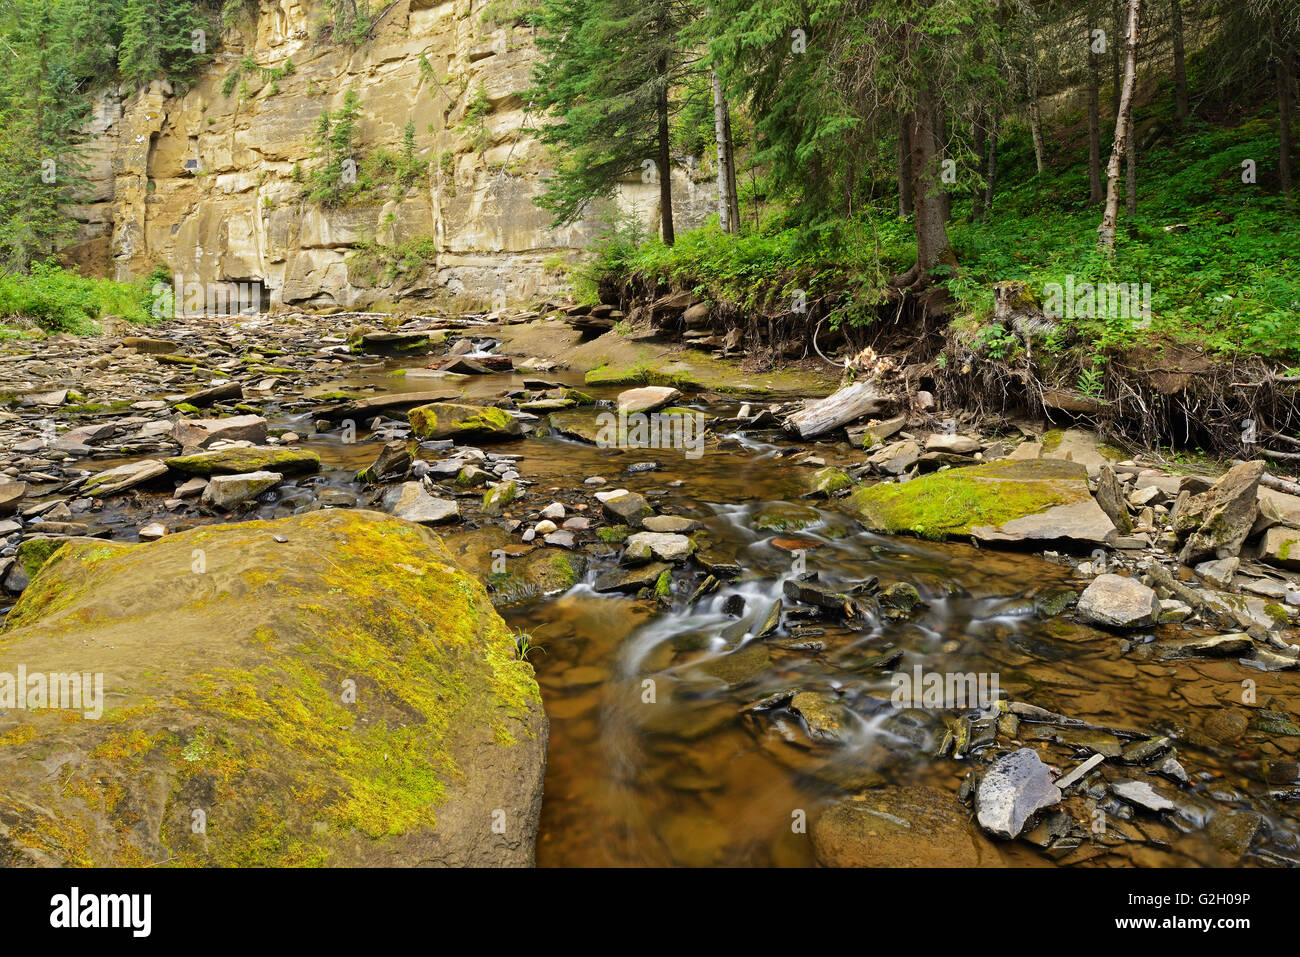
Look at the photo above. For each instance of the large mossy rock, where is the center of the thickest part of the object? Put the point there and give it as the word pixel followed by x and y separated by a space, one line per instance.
pixel 238 459
pixel 454 420
pixel 327 689
pixel 1001 502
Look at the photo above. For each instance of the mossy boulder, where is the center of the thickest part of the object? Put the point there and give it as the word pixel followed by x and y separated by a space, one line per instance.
pixel 454 420
pixel 1014 500
pixel 239 459
pixel 326 689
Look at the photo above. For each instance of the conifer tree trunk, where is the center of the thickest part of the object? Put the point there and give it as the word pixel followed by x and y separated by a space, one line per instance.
pixel 932 244
pixel 1035 114
pixel 1095 193
pixel 1285 107
pixel 992 169
pixel 1106 231
pixel 1180 62
pixel 980 136
pixel 724 171
pixel 665 159
pixel 904 165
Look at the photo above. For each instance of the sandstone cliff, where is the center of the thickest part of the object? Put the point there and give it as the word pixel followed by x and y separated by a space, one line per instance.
pixel 207 180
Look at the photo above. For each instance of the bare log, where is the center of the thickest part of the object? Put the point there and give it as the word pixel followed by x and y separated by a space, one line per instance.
pixel 837 409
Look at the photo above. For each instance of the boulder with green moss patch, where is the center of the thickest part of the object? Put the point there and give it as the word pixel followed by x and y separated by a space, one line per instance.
pixel 239 459
pixel 1015 500
pixel 327 689
pixel 454 420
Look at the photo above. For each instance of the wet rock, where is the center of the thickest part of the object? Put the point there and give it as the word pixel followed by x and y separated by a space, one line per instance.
pixel 124 477
pixel 675 524
pixel 1219 572
pixel 451 420
pixel 498 497
pixel 630 580
pixel 826 719
pixel 392 463
pixel 1213 646
pixel 782 517
pixel 1215 523
pixel 627 508
pixel 896 458
pixel 1142 795
pixel 410 501
pixel 1114 601
pixel 647 398
pixel 827 481
pixel 1233 831
pixel 900 595
pixel 1110 496
pixel 1009 501
pixel 200 433
pixel 1281 547
pixel 239 459
pixel 11 494
pixel 665 547
pixel 741 666
pixel 1012 791
pixel 225 392
pixel 555 512
pixel 895 827
pixel 228 491
pixel 1226 725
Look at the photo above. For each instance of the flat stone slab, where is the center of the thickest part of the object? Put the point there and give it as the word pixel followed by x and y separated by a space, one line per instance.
pixel 1004 502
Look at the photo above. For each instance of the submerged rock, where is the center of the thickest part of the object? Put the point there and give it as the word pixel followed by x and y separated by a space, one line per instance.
pixel 329 688
pixel 896 827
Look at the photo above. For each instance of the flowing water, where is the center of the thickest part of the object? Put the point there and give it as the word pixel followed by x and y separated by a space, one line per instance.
pixel 653 758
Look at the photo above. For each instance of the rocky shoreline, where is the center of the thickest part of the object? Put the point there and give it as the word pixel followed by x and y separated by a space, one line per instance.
pixel 142 438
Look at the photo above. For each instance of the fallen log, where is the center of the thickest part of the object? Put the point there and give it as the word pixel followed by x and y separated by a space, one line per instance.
pixel 837 409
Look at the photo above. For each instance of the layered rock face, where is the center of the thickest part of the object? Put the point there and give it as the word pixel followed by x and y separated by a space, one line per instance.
pixel 209 180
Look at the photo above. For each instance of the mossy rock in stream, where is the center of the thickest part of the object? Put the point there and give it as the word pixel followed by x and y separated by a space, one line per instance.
pixel 454 420
pixel 345 696
pixel 1006 501
pixel 239 459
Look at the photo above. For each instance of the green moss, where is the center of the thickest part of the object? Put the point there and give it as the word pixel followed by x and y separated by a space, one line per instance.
pixel 613 533
pixel 1052 440
pixel 35 552
pixel 950 503
pixel 664 584
pixel 236 459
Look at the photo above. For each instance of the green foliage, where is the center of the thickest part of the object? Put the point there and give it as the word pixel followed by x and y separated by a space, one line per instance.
pixel 605 66
pixel 335 141
pixel 474 122
pixel 348 21
pixel 60 300
pixel 164 38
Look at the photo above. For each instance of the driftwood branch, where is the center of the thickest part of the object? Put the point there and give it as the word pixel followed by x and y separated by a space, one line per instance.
pixel 837 409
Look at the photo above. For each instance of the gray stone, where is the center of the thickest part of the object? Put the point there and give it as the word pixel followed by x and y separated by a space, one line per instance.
pixel 410 501
pixel 227 491
pixel 664 546
pixel 1118 602
pixel 1012 791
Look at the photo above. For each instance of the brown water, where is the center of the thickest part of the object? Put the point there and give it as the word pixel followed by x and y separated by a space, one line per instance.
pixel 652 760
